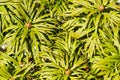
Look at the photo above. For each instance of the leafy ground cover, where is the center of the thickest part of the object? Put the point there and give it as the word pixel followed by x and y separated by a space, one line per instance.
pixel 59 40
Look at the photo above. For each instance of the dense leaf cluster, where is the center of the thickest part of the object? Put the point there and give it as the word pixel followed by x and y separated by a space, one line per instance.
pixel 59 40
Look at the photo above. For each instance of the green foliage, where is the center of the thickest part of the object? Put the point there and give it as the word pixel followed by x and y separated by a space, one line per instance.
pixel 59 40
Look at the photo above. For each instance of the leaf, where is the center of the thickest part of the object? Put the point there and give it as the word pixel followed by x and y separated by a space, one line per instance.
pixel 23 36
pixel 23 70
pixel 80 33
